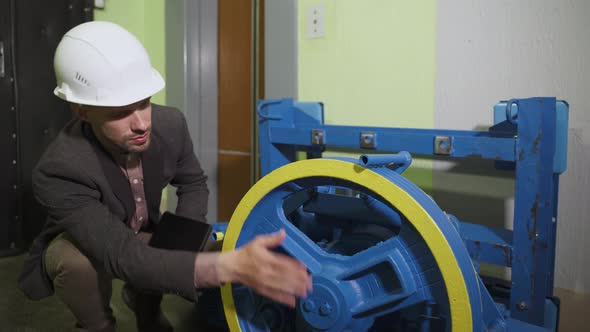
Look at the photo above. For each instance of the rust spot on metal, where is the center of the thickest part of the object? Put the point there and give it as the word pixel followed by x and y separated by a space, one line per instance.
pixel 533 231
pixel 506 252
pixel 476 249
pixel 536 142
pixel 521 155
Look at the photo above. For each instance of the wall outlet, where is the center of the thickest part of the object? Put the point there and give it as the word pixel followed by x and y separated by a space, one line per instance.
pixel 99 4
pixel 315 21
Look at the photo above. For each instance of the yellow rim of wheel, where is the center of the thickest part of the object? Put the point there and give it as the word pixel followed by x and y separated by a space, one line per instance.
pixel 459 304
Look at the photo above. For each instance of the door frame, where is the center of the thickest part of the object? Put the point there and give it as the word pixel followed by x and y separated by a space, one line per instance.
pixel 191 70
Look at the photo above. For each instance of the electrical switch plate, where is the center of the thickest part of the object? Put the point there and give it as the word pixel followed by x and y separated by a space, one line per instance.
pixel 315 21
pixel 99 4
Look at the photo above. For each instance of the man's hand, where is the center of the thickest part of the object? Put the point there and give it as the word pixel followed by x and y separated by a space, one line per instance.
pixel 278 277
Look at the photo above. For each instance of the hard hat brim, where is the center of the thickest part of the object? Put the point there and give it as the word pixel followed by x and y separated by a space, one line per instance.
pixel 134 93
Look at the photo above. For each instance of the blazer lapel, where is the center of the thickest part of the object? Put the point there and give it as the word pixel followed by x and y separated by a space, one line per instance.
pixel 152 163
pixel 115 177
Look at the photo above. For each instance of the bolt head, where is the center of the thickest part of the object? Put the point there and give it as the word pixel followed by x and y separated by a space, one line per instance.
pixel 326 309
pixel 308 305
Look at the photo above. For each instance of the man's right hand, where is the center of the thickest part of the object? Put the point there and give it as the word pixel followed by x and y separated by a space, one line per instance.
pixel 273 275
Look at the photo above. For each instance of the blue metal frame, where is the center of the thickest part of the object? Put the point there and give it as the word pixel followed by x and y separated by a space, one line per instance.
pixel 530 135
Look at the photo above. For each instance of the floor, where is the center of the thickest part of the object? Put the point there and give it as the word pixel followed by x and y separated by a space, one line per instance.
pixel 17 314
pixel 575 310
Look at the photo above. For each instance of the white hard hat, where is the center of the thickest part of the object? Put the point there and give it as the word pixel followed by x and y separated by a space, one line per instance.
pixel 102 64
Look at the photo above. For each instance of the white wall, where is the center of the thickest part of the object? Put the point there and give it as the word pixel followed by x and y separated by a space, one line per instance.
pixel 487 51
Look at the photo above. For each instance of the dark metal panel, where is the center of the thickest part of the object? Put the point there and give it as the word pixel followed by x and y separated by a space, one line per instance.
pixel 37 27
pixel 192 80
pixel 9 229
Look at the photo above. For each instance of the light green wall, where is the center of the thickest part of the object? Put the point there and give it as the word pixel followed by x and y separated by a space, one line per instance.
pixel 374 67
pixel 145 19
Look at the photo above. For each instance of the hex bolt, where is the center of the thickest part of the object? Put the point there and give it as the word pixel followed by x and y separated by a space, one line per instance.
pixel 318 136
pixel 308 305
pixel 326 309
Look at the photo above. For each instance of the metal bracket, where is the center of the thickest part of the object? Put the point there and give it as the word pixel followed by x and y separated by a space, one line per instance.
pixel 442 145
pixel 368 140
pixel 265 117
pixel 1 59
pixel 317 137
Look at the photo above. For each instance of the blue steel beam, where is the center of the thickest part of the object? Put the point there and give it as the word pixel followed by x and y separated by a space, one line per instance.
pixel 487 244
pixel 535 207
pixel 415 141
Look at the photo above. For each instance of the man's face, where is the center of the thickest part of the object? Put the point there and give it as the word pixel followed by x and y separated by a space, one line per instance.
pixel 121 129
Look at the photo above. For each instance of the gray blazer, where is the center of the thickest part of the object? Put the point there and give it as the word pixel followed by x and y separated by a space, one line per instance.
pixel 86 195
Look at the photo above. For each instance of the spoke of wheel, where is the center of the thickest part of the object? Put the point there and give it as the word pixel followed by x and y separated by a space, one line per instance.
pixel 383 268
pixel 297 244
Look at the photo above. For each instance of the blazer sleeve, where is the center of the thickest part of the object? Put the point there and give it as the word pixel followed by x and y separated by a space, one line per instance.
pixel 72 200
pixel 190 180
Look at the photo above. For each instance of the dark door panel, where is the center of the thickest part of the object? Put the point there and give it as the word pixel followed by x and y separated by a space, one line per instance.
pixel 31 115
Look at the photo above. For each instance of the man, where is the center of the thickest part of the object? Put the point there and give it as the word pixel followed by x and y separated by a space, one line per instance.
pixel 101 181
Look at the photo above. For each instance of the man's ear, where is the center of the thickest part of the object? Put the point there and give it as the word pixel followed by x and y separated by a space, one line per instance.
pixel 79 111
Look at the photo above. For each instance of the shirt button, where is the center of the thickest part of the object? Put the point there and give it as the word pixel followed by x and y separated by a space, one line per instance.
pixel 138 199
pixel 135 181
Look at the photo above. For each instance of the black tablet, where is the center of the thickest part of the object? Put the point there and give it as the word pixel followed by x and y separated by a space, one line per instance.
pixel 180 233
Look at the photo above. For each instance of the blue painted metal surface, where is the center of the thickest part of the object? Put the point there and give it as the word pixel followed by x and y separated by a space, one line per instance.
pixel 357 277
pixel 398 162
pixel 487 244
pixel 561 126
pixel 534 213
pixel 219 229
pixel 530 134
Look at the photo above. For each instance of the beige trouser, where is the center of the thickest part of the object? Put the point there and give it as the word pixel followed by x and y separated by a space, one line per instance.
pixel 83 286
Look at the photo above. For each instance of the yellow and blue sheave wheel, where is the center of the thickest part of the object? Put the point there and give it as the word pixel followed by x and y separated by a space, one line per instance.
pixel 381 253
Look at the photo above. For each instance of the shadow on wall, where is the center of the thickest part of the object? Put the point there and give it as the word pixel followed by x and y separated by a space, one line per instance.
pixel 474 191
